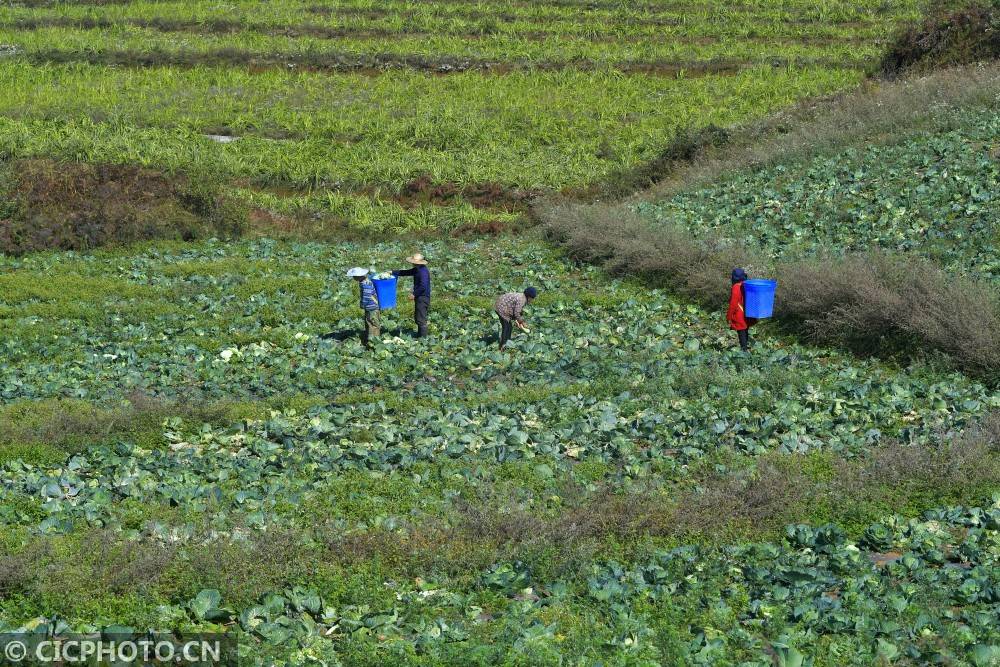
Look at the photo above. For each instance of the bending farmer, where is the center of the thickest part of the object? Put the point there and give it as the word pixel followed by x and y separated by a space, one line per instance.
pixel 738 321
pixel 369 304
pixel 509 308
pixel 421 296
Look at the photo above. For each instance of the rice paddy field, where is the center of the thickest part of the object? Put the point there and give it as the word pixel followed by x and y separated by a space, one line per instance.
pixel 411 115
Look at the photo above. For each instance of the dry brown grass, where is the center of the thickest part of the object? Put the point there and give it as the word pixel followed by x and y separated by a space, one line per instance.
pixel 72 206
pixel 874 303
pixel 625 244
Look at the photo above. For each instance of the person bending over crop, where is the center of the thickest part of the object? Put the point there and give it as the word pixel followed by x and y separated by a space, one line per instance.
pixel 738 321
pixel 421 295
pixel 510 308
pixel 369 304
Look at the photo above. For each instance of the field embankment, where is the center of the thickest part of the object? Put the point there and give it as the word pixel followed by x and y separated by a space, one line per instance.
pixel 876 215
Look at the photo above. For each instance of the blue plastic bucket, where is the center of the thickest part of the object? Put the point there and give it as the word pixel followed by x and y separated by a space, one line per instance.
pixel 386 291
pixel 759 297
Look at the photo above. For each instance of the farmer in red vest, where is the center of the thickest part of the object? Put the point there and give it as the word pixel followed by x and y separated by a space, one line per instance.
pixel 738 321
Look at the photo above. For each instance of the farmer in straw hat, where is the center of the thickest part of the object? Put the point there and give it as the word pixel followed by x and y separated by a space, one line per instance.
pixel 421 296
pixel 510 309
pixel 369 304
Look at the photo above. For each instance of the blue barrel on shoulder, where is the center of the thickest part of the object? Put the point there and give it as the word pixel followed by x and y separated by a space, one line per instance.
pixel 385 288
pixel 759 295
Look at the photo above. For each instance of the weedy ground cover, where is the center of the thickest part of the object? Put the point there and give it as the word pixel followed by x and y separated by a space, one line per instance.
pixel 439 502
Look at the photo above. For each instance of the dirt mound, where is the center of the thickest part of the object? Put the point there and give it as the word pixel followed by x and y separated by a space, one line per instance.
pixel 69 206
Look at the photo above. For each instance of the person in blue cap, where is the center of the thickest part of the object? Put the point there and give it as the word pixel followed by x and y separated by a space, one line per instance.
pixel 369 304
pixel 510 309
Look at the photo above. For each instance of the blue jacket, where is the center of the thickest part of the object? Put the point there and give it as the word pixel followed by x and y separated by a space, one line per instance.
pixel 369 299
pixel 421 279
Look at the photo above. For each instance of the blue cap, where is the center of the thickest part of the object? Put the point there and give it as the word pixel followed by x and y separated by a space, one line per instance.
pixel 739 275
pixel 530 292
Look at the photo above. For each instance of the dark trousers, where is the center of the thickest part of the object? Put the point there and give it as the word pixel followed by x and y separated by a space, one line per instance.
pixel 506 329
pixel 744 336
pixel 421 305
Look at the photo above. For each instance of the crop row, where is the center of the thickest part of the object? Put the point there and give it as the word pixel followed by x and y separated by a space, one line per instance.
pixel 611 37
pixel 150 46
pixel 216 321
pixel 542 14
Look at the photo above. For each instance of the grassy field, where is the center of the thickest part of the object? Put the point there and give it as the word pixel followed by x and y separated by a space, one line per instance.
pixel 394 116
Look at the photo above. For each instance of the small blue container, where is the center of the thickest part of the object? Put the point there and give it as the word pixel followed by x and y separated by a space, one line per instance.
pixel 386 291
pixel 759 298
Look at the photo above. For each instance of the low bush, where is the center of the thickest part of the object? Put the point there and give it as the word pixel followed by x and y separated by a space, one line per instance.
pixel 953 33
pixel 49 205
pixel 687 146
pixel 876 302
pixel 872 303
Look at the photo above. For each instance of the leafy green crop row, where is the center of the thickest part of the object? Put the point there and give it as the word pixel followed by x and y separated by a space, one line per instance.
pixel 504 17
pixel 450 50
pixel 218 321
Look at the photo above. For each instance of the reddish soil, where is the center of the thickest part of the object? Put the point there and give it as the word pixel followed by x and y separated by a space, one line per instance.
pixel 489 195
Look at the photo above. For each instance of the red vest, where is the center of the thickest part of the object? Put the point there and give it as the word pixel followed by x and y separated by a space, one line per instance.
pixel 737 303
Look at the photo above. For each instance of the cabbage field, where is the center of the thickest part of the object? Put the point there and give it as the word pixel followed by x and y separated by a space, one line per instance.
pixel 197 428
pixel 932 194
pixel 396 115
pixel 194 439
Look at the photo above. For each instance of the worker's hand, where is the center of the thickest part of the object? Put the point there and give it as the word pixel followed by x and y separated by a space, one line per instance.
pixel 410 297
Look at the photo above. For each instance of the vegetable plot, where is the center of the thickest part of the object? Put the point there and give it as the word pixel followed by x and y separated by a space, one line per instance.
pixel 934 194
pixel 418 503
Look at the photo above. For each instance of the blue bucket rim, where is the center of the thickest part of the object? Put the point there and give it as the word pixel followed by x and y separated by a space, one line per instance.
pixel 762 282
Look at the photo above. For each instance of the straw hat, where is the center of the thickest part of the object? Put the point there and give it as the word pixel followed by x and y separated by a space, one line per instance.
pixel 357 272
pixel 417 258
